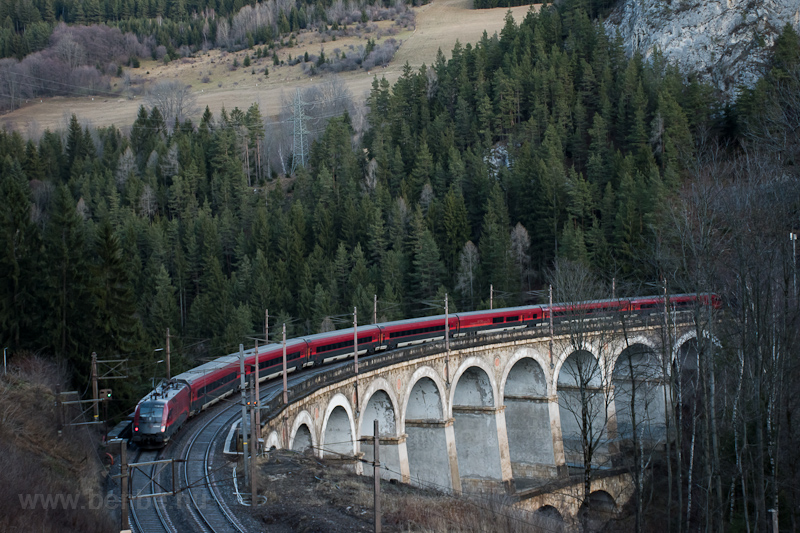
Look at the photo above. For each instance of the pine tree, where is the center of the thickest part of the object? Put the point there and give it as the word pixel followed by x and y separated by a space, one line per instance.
pixel 116 323
pixel 217 308
pixel 321 308
pixel 238 327
pixel 68 282
pixel 359 275
pixel 628 223
pixel 75 148
pixel 456 227
pixel 19 258
pixel 495 244
pixel 467 277
pixel 427 270
pixel 164 307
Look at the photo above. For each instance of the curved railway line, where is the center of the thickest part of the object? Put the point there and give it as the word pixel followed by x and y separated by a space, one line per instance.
pixel 198 474
pixel 201 507
pixel 147 515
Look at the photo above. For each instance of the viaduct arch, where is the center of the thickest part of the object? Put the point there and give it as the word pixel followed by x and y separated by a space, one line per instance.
pixel 490 415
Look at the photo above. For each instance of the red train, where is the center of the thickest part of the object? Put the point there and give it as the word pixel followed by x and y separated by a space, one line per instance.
pixel 162 412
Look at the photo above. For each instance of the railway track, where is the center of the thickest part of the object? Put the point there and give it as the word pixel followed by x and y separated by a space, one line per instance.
pixel 209 511
pixel 199 502
pixel 147 515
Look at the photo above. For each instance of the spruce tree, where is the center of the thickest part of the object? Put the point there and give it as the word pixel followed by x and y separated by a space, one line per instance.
pixel 117 327
pixel 19 259
pixel 69 297
pixel 456 227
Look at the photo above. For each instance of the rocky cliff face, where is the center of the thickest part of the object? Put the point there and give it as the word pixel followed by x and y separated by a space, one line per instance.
pixel 725 41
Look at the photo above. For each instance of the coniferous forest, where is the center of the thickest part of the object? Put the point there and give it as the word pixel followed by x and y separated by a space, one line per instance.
pixel 544 143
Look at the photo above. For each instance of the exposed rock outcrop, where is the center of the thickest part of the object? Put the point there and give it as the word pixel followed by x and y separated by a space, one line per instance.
pixel 725 41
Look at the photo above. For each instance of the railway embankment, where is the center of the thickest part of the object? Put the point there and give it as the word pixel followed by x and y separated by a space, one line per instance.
pixel 305 493
pixel 48 483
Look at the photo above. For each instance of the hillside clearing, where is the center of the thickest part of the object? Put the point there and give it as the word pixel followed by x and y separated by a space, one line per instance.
pixel 438 25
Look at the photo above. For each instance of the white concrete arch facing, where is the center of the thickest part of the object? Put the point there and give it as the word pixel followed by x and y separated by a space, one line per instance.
pixel 273 441
pixel 338 400
pixel 480 428
pixel 466 364
pixel 620 347
pixel 689 335
pixel 378 384
pixel 304 417
pixel 564 355
pixel 420 373
pixel 536 354
pixel 531 415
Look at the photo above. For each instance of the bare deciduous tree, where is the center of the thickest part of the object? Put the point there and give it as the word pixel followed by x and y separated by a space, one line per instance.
pixel 174 99
pixel 468 271
pixel 71 52
pixel 125 168
pixel 148 203
pixel 520 243
pixel 584 381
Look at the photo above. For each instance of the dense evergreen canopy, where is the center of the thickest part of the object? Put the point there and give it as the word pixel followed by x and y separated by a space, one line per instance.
pixel 544 141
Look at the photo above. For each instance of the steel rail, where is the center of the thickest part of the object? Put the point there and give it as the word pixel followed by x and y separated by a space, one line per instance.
pixel 146 514
pixel 197 465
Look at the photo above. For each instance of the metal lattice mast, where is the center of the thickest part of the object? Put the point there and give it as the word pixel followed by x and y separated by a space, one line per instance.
pixel 299 147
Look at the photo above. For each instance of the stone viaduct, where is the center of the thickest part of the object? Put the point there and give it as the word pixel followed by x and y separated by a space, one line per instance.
pixel 493 413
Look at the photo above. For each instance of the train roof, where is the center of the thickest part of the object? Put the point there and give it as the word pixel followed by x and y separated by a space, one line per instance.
pixel 164 391
pixel 502 310
pixel 368 328
pixel 194 374
pixel 271 346
pixel 408 321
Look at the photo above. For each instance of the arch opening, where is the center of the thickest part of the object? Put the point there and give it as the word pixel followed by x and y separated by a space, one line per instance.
pixel 428 457
pixel 476 430
pixel 302 439
pixel 424 402
pixel 549 512
pixel 639 390
pixel 380 408
pixel 687 363
pixel 600 510
pixel 584 402
pixel 530 439
pixel 474 389
pixel 339 441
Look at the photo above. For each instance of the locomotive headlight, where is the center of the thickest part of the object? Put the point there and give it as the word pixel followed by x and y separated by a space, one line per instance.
pixel 163 429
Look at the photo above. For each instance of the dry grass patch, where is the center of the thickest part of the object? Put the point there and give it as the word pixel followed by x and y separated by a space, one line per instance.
pixel 438 25
pixel 305 493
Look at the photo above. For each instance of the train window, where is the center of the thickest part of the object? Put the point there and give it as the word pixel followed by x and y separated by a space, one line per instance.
pixel 497 320
pixel 293 355
pixel 329 347
pixel 648 306
pixel 151 412
pixel 418 331
pixel 512 319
